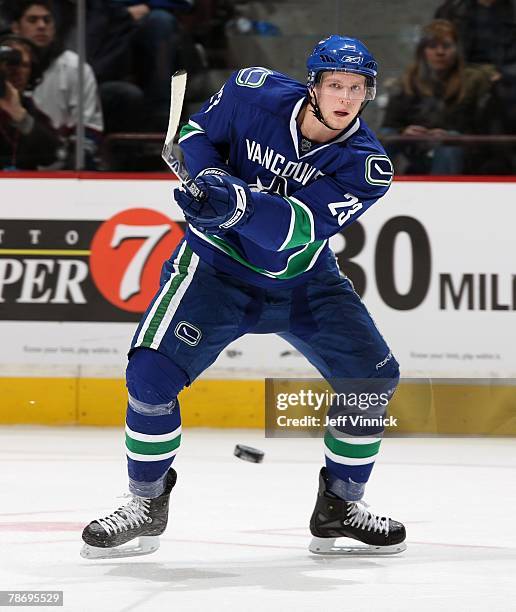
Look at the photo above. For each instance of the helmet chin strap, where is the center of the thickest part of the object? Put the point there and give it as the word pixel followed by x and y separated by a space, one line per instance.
pixel 316 111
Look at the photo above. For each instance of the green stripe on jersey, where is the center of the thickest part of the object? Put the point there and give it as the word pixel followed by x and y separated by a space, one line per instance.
pixel 188 128
pixel 161 310
pixel 297 263
pixel 303 230
pixel 152 448
pixel 345 449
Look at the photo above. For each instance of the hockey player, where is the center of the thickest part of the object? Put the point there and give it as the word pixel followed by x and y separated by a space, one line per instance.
pixel 282 168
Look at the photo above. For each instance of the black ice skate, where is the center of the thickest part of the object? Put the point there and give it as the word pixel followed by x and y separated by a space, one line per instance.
pixel 334 518
pixel 141 518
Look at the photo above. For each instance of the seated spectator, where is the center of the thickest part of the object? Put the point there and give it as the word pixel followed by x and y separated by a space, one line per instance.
pixel 438 95
pixel 109 29
pixel 27 139
pixel 57 94
pixel 133 49
pixel 154 51
pixel 487 30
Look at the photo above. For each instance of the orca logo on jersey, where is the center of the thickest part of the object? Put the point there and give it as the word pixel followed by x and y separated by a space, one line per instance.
pixel 252 77
pixel 379 170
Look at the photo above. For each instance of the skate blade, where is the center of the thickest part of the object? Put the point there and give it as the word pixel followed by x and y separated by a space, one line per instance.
pixel 145 545
pixel 327 546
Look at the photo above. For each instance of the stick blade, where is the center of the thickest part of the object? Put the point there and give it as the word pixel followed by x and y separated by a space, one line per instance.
pixel 177 94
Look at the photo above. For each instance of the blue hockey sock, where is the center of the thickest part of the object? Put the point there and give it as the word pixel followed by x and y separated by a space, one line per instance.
pixel 351 446
pixel 348 481
pixel 153 421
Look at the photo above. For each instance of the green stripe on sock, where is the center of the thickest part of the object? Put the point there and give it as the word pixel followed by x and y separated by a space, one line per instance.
pixel 356 451
pixel 152 448
pixel 184 262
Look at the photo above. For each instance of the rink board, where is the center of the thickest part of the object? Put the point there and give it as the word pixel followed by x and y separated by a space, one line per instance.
pixel 432 262
pixel 454 409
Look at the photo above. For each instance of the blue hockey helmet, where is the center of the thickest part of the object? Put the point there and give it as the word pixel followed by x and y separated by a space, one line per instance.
pixel 343 54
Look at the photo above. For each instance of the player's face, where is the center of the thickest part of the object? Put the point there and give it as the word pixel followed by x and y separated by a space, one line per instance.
pixel 440 54
pixel 36 24
pixel 340 96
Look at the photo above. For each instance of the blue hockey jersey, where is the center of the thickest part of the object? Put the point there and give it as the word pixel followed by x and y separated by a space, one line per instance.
pixel 303 192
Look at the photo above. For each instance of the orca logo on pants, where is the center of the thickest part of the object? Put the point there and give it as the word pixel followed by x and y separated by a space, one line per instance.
pixel 188 333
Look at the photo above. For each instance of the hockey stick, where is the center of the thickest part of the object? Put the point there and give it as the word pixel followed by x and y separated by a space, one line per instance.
pixel 177 94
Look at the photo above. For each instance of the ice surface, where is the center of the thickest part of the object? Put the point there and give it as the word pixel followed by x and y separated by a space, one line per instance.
pixel 238 532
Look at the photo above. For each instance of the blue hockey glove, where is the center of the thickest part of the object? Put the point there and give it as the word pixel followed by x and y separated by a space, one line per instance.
pixel 227 203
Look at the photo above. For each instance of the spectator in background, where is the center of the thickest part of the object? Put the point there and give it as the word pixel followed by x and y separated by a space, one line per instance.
pixel 57 94
pixel 133 49
pixel 109 29
pixel 27 139
pixel 154 47
pixel 487 29
pixel 436 96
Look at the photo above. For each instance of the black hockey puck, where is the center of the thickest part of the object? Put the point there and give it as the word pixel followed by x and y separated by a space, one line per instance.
pixel 248 453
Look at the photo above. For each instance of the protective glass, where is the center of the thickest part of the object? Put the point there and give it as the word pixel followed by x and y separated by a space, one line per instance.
pixel 351 88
